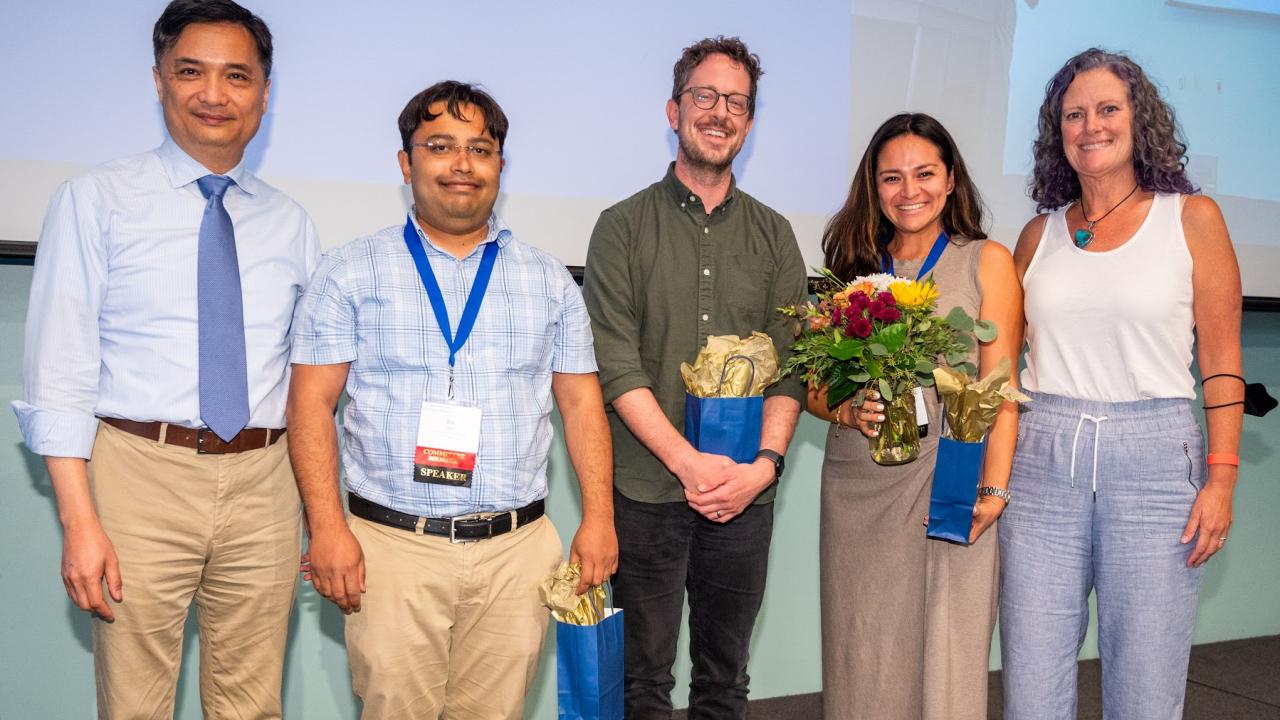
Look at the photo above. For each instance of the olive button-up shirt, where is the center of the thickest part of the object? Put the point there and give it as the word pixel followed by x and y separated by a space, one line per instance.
pixel 662 275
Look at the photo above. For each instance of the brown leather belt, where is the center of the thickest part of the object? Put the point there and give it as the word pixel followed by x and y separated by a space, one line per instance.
pixel 202 440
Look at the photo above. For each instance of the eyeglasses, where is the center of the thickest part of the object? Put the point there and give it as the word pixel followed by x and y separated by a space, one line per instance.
pixel 445 148
pixel 706 98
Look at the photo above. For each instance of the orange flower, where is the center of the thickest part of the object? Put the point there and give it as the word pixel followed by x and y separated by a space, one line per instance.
pixel 863 287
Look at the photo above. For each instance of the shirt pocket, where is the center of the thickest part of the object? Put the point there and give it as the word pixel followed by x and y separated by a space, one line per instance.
pixel 744 284
pixel 517 334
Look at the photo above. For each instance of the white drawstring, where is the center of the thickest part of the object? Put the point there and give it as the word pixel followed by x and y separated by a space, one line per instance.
pixel 1096 422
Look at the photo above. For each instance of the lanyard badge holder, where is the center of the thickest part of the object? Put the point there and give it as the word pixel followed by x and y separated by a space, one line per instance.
pixel 448 435
pixel 886 264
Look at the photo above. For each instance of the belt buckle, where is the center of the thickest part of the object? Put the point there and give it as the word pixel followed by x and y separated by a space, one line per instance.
pixel 453 526
pixel 201 434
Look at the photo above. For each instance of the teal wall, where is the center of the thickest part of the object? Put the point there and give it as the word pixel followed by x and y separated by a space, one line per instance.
pixel 46 665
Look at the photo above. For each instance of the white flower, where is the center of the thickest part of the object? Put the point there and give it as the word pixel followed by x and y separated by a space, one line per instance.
pixel 880 281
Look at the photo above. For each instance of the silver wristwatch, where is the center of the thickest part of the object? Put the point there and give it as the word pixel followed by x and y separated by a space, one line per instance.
pixel 997 491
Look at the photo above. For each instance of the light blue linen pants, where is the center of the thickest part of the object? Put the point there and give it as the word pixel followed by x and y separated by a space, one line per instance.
pixel 1101 494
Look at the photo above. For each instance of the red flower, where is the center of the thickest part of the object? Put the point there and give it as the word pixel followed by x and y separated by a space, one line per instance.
pixel 837 317
pixel 875 309
pixel 889 314
pixel 859 300
pixel 860 327
pixel 887 298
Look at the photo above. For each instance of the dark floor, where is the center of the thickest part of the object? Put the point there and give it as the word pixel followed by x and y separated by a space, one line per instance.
pixel 1235 680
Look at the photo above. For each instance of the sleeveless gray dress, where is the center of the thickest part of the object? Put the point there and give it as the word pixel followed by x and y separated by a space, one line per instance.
pixel 906 621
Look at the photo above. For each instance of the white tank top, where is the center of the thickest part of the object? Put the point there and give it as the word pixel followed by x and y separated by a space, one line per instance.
pixel 1113 326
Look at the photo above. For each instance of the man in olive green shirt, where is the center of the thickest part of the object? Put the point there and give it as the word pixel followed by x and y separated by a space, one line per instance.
pixel 689 257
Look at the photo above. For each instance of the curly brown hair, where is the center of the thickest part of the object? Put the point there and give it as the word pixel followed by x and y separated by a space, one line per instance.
pixel 856 238
pixel 733 47
pixel 1159 150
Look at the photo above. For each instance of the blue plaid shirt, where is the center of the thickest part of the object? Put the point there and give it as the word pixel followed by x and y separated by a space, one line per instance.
pixel 366 306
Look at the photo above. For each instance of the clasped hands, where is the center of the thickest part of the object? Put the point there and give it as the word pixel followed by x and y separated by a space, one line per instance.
pixel 718 488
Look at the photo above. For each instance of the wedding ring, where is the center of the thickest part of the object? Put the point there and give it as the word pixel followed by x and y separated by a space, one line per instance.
pixel 719 513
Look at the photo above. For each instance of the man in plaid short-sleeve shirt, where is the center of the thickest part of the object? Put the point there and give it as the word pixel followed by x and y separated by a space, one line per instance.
pixel 451 337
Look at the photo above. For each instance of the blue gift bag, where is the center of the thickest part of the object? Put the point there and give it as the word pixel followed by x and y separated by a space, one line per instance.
pixel 724 425
pixel 589 669
pixel 955 489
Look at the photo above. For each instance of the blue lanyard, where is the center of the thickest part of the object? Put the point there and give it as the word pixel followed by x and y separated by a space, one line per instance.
pixel 472 308
pixel 932 259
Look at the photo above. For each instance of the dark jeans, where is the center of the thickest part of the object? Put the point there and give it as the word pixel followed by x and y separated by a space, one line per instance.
pixel 666 548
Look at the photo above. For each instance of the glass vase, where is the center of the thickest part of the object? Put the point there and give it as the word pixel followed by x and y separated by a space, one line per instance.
pixel 899 438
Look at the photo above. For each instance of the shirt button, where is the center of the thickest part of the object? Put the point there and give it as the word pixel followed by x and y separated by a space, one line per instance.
pixel 682 204
pixel 705 317
pixel 706 230
pixel 693 198
pixel 706 271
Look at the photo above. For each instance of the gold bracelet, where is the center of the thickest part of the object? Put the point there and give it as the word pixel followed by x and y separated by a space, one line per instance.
pixel 839 423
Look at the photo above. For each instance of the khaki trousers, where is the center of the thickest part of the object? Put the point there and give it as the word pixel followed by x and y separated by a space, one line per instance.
pixel 222 529
pixel 449 628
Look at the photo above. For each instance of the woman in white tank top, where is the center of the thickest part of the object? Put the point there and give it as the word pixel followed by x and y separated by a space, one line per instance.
pixel 1112 488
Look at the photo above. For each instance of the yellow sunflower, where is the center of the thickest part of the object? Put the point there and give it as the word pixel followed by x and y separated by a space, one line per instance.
pixel 915 294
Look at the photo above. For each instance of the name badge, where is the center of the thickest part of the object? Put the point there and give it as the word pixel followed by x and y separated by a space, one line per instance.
pixel 448 438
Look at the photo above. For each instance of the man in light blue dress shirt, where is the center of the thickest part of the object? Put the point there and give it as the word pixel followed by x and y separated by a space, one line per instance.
pixel 155 506
pixel 451 337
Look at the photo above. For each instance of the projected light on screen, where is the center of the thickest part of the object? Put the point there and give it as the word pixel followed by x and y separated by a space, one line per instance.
pixel 584 85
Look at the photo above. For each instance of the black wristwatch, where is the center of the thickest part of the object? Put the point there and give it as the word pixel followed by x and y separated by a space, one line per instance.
pixel 774 457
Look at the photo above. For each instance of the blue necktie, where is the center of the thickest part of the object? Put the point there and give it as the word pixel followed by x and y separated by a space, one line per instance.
pixel 224 383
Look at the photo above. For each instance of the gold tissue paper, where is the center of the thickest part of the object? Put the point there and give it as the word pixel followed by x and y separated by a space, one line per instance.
pixel 558 592
pixel 752 367
pixel 971 406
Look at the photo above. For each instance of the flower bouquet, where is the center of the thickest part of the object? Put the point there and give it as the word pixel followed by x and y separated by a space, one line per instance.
pixel 880 332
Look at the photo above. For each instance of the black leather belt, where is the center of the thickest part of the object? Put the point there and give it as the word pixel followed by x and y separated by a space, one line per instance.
pixel 463 528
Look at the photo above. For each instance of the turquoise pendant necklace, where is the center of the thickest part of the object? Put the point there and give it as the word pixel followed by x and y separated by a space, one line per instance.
pixel 1084 235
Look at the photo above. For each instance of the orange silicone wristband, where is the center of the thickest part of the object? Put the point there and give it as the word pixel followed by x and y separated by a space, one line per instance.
pixel 1224 459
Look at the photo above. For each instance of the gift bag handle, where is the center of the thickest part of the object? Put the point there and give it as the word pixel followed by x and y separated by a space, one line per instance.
pixel 608 600
pixel 724 371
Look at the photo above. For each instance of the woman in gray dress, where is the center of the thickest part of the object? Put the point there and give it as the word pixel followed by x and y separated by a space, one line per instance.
pixel 907 621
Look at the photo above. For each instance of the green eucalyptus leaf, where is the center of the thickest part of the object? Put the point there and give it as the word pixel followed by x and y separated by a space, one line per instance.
pixel 924 366
pixel 985 330
pixel 966 341
pixel 959 319
pixel 926 380
pixel 885 391
pixel 967 368
pixel 924 325
pixel 859 377
pixel 878 349
pixel 955 359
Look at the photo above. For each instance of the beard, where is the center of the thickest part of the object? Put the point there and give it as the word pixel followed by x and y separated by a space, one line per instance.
pixel 700 158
